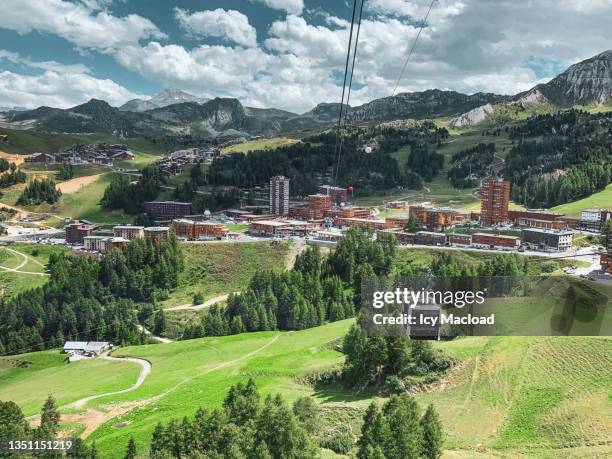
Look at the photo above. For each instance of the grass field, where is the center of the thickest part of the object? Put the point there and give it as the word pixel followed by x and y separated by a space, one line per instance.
pixel 198 373
pixel 28 141
pixel 28 379
pixel 36 258
pixel 218 268
pixel 258 144
pixel 540 397
pixel 141 159
pixel 528 395
pixel 600 199
pixel 84 204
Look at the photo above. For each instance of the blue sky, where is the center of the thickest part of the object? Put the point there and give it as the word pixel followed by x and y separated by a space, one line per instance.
pixel 284 53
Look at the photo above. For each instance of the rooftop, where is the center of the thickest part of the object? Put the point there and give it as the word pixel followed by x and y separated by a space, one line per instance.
pixel 548 231
pixel 501 236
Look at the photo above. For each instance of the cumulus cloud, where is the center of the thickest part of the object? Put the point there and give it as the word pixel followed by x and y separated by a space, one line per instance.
pixel 230 25
pixel 61 90
pixel 290 6
pixel 299 62
pixel 77 23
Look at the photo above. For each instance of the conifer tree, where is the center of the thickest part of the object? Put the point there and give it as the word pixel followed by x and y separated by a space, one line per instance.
pixel 131 449
pixel 432 433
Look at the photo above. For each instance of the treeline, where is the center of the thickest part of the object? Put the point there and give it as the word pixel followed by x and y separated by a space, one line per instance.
pixel 246 428
pixel 90 299
pixel 551 189
pixel 311 162
pixel 216 199
pixel 425 162
pixel 470 165
pixel 398 431
pixel 315 291
pixel 14 426
pixel 572 160
pixel 121 193
pixel 12 177
pixel 449 264
pixel 39 191
pixel 386 360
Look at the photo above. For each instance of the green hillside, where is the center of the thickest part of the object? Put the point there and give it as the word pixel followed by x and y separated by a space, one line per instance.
pixel 27 379
pixel 541 397
pixel 28 141
pixel 196 373
pixel 600 199
pixel 28 261
pixel 218 268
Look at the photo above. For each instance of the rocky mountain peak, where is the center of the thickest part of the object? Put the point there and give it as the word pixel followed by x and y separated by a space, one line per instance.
pixel 587 82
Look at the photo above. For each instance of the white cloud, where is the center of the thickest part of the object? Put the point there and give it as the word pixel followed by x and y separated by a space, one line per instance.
pixel 61 90
pixel 290 6
pixel 231 25
pixel 299 64
pixel 15 58
pixel 77 23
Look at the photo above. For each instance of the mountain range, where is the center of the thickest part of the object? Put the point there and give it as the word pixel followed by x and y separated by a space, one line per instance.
pixel 175 112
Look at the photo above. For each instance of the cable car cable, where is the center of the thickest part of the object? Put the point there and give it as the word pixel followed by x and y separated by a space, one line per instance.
pixel 414 43
pixel 348 97
pixel 346 65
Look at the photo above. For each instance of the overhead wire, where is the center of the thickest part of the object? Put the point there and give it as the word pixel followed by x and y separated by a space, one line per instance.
pixel 346 66
pixel 350 85
pixel 414 43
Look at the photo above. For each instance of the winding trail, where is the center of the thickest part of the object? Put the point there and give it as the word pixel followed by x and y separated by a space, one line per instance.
pixel 195 307
pixel 144 372
pixel 25 258
pixel 160 339
pixel 92 419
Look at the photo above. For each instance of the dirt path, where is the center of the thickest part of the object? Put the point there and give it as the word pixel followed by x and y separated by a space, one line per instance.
pixel 75 184
pixel 195 307
pixel 24 261
pixel 298 246
pixel 92 419
pixel 155 337
pixel 17 159
pixel 144 372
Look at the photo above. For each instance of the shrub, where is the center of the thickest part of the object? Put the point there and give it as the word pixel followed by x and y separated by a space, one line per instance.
pixel 198 298
pixel 338 443
pixel 395 385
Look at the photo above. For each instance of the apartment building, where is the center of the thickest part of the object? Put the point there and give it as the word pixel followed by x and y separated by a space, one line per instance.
pixel 338 195
pixel 495 241
pixel 167 210
pixel 594 219
pixel 157 233
pixel 128 232
pixel 76 231
pixel 279 195
pixel 545 238
pixel 495 201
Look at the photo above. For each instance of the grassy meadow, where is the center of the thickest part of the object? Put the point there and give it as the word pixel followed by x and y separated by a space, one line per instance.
pixel 258 144
pixel 29 378
pixel 36 257
pixel 216 268
pixel 600 199
pixel 505 397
